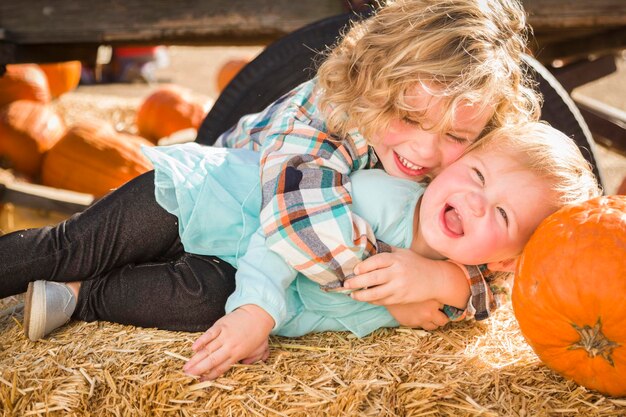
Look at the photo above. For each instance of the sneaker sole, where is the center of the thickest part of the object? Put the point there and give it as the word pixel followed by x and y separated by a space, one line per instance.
pixel 35 310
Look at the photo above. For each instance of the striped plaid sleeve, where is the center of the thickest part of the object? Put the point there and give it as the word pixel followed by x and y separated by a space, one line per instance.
pixel 488 291
pixel 306 213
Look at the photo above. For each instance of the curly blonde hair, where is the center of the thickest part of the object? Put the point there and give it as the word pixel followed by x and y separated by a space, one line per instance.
pixel 469 50
pixel 550 155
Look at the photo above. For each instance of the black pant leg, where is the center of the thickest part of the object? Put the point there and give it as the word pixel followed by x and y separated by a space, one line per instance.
pixel 126 226
pixel 186 294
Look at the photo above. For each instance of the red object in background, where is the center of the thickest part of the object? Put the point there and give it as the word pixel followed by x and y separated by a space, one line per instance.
pixel 134 51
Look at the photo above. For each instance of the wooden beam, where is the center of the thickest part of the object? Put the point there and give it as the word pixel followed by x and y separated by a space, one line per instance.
pixel 161 21
pixel 42 197
pixel 579 45
pixel 566 14
pixel 606 123
pixel 582 72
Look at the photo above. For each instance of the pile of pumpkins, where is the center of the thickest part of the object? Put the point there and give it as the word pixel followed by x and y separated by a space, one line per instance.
pixel 90 156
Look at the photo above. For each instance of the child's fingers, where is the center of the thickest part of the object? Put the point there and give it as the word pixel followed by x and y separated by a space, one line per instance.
pixel 209 335
pixel 207 362
pixel 374 295
pixel 201 355
pixel 440 319
pixel 217 371
pixel 381 260
pixel 259 354
pixel 365 280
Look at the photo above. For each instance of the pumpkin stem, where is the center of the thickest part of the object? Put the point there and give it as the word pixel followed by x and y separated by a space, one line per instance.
pixel 594 342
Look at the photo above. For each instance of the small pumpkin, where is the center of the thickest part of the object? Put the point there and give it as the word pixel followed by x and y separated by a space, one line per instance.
pixel 228 71
pixel 62 76
pixel 94 158
pixel 24 82
pixel 167 110
pixel 569 293
pixel 27 130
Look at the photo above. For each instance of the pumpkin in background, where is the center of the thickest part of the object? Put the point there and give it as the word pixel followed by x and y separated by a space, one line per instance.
pixel 24 82
pixel 167 110
pixel 228 71
pixel 94 158
pixel 62 76
pixel 27 130
pixel 569 294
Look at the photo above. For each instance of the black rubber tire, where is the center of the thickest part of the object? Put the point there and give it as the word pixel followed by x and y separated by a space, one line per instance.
pixel 290 61
pixel 283 65
pixel 561 112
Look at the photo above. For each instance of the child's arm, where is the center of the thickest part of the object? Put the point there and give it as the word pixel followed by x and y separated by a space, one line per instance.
pixel 404 270
pixel 238 336
pixel 404 277
pixel 426 315
pixel 257 306
pixel 306 214
pixel 262 278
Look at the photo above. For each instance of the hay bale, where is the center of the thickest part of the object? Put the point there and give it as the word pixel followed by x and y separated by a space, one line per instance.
pixel 465 369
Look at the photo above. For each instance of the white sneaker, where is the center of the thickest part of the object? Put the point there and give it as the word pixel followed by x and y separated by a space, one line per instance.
pixel 48 305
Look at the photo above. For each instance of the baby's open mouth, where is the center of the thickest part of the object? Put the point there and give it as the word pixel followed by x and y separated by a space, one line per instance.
pixel 452 221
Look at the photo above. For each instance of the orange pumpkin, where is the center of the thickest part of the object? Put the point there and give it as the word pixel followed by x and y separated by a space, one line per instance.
pixel 569 290
pixel 24 82
pixel 228 71
pixel 27 130
pixel 62 76
pixel 167 110
pixel 94 158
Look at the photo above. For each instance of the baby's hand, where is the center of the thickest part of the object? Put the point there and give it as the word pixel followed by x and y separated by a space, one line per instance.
pixel 239 336
pixel 425 314
pixel 400 277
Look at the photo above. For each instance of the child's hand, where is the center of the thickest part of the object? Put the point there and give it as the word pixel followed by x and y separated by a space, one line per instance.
pixel 425 314
pixel 400 277
pixel 239 336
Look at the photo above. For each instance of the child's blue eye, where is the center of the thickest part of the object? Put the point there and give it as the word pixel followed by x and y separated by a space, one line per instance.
pixel 480 176
pixel 504 215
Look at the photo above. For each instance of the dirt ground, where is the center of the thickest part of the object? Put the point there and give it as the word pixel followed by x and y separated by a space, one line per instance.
pixel 197 68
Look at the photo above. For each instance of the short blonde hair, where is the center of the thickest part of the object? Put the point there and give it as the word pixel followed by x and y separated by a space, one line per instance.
pixel 469 49
pixel 550 155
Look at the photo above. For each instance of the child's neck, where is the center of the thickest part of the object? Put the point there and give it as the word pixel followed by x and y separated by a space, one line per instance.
pixel 419 245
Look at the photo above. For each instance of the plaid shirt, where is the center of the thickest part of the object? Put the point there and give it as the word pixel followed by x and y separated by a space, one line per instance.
pixel 306 213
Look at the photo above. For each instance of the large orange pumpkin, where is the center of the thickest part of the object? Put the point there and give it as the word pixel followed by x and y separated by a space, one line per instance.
pixel 167 110
pixel 569 290
pixel 27 130
pixel 62 76
pixel 94 158
pixel 24 82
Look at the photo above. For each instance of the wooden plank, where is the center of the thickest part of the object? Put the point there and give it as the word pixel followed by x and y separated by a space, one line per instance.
pixel 578 44
pixel 161 21
pixel 550 14
pixel 607 123
pixel 582 72
pixel 42 197
pixel 40 30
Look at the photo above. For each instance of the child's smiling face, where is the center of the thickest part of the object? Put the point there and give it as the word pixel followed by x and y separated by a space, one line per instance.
pixel 483 208
pixel 410 149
